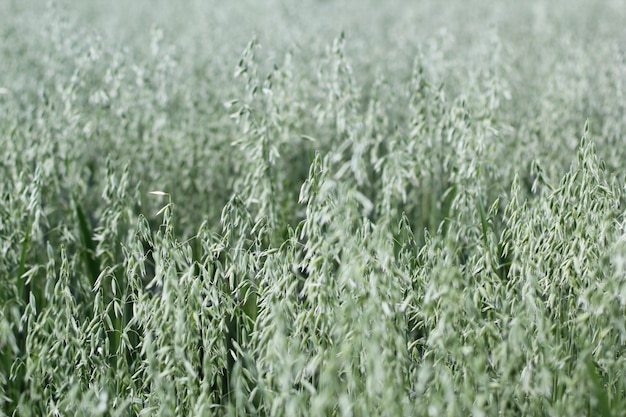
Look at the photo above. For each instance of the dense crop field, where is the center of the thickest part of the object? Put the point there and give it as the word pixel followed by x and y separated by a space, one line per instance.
pixel 313 208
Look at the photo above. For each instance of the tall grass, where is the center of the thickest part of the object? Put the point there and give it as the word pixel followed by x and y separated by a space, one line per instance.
pixel 390 219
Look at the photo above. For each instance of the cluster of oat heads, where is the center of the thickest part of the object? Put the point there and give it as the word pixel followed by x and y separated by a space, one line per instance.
pixel 394 219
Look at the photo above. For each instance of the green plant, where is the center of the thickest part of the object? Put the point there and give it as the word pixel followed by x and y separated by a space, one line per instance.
pixel 396 217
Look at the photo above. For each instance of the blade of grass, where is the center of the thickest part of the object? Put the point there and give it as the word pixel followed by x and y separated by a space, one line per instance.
pixel 92 264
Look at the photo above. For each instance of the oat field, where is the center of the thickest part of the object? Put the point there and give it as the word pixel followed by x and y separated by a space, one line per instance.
pixel 313 208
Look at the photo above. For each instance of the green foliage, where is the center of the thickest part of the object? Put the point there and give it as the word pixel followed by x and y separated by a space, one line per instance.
pixel 418 212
